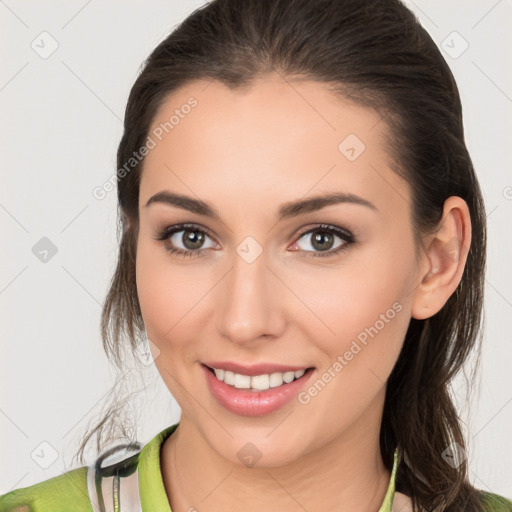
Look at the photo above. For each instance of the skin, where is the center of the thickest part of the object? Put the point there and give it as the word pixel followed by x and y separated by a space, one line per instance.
pixel 247 152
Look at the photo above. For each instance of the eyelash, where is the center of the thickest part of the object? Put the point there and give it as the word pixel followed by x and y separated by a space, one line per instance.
pixel 344 234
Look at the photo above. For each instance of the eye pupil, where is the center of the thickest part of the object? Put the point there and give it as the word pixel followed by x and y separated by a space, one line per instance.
pixel 193 239
pixel 320 238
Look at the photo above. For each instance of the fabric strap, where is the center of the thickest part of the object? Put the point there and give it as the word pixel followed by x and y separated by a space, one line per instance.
pixel 114 488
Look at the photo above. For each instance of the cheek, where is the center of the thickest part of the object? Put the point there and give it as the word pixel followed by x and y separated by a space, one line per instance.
pixel 172 300
pixel 167 305
pixel 151 287
pixel 163 293
pixel 365 304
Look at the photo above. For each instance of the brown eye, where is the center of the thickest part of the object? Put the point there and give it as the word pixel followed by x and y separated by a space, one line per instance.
pixel 192 239
pixel 325 239
pixel 184 240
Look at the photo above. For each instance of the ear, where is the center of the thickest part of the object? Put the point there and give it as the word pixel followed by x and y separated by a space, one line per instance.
pixel 443 259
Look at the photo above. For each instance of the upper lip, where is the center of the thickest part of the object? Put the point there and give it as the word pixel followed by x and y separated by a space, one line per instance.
pixel 253 369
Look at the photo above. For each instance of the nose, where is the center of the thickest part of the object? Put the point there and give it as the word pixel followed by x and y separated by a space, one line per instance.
pixel 251 302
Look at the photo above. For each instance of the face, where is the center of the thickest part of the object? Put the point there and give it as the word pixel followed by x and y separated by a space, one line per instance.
pixel 326 286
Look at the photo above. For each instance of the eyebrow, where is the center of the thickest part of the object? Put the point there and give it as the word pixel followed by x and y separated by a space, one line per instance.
pixel 286 211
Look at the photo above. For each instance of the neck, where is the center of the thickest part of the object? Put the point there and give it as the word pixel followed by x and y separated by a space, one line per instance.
pixel 345 474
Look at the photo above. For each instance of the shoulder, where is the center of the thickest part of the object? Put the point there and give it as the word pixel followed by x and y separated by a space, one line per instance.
pixel 59 494
pixel 495 503
pixel 98 483
pixel 78 489
pixel 491 502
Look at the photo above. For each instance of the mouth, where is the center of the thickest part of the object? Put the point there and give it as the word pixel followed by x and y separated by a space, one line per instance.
pixel 256 382
pixel 257 394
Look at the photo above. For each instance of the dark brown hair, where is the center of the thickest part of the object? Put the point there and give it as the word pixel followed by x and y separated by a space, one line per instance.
pixel 375 53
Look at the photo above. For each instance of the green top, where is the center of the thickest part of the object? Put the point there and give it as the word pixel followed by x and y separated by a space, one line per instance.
pixel 69 491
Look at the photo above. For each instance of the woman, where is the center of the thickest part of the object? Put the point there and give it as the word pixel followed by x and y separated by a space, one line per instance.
pixel 304 246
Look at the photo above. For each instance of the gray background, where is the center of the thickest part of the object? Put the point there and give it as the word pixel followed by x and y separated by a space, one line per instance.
pixel 61 121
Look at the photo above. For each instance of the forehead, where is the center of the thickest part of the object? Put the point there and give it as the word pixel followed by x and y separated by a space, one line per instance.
pixel 278 139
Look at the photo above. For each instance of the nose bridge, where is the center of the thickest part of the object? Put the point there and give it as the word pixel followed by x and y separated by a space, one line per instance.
pixel 250 304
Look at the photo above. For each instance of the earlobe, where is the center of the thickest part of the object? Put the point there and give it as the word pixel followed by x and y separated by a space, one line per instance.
pixel 443 261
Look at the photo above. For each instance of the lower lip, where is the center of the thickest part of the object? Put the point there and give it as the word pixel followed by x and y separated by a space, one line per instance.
pixel 254 403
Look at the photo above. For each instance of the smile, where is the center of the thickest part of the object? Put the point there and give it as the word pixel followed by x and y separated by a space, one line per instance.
pixel 257 394
pixel 256 382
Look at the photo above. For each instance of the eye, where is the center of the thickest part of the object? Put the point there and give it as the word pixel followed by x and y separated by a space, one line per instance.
pixel 324 241
pixel 192 239
pixel 190 236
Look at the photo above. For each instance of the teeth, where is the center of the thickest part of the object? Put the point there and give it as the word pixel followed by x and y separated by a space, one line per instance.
pixel 229 378
pixel 242 381
pixel 288 376
pixel 260 382
pixel 276 379
pixel 257 382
